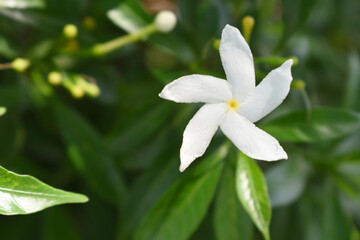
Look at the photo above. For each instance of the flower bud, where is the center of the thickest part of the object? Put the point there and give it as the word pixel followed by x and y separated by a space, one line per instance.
pixel 89 23
pixel 165 21
pixel 77 92
pixel 70 31
pixel 20 64
pixel 298 85
pixel 54 78
pixel 248 25
pixel 2 110
pixel 216 44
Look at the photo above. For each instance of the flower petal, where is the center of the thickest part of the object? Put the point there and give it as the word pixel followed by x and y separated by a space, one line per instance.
pixel 199 132
pixel 237 61
pixel 251 140
pixel 197 88
pixel 269 94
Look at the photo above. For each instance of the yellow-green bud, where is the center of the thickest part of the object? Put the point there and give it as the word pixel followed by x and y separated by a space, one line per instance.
pixel 93 90
pixel 2 110
pixel 165 21
pixel 89 23
pixel 216 44
pixel 77 92
pixel 248 25
pixel 20 64
pixel 54 78
pixel 298 85
pixel 70 31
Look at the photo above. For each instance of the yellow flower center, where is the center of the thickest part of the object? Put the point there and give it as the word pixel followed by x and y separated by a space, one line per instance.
pixel 233 104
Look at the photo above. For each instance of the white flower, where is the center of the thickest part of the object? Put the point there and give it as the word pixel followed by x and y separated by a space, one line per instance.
pixel 233 104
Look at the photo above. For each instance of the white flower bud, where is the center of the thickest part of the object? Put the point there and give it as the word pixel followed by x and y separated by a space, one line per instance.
pixel 165 21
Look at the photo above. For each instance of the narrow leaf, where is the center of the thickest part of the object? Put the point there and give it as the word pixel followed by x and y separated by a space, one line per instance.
pixel 252 192
pixel 22 194
pixel 87 152
pixel 231 221
pixel 22 3
pixel 180 210
pixel 129 16
pixel 323 124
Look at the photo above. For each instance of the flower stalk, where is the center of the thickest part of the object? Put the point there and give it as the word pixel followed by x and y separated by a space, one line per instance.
pixel 107 47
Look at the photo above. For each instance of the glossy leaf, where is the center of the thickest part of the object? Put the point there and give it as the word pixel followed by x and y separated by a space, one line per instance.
pixel 252 192
pixel 180 210
pixel 286 181
pixel 230 220
pixel 88 153
pixel 129 16
pixel 22 3
pixel 323 124
pixel 22 194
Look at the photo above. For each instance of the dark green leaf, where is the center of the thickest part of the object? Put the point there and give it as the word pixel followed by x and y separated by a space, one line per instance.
pixel 323 124
pixel 231 221
pixel 252 191
pixel 295 14
pixel 286 181
pixel 88 153
pixel 181 209
pixel 22 194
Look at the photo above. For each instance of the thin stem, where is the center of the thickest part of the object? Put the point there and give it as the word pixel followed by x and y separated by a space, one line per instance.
pixel 307 103
pixel 105 48
pixel 4 66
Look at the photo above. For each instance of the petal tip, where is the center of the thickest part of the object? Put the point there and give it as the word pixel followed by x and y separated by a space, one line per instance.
pixel 182 168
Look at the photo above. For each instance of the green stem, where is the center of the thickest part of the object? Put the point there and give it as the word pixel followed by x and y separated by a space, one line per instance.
pixel 307 103
pixel 104 48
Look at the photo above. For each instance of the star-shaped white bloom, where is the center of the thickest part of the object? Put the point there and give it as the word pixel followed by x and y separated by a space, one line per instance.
pixel 234 105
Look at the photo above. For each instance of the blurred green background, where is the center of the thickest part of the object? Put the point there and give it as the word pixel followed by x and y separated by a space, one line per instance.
pixel 121 149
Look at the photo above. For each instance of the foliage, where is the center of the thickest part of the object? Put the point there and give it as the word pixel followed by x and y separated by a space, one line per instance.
pixel 98 127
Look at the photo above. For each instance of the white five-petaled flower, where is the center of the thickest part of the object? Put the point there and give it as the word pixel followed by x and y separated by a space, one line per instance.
pixel 234 105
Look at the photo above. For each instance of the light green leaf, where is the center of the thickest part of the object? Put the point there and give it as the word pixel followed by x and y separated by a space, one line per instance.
pixel 22 194
pixel 323 124
pixel 252 192
pixel 230 219
pixel 180 210
pixel 22 3
pixel 129 16
pixel 2 111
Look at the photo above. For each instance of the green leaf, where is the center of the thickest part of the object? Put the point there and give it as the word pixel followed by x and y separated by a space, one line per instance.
pixel 180 210
pixel 129 16
pixel 295 14
pixel 323 124
pixel 252 192
pixel 88 153
pixel 22 194
pixel 230 219
pixel 22 3
pixel 351 96
pixel 286 181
